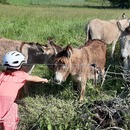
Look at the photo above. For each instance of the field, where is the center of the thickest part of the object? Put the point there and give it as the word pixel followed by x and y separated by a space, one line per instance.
pixel 50 106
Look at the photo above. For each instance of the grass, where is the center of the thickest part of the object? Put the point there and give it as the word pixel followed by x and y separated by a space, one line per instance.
pixel 66 25
pixel 59 2
pixel 57 105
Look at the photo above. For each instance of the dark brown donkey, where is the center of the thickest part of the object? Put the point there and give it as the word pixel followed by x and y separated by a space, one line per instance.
pixel 50 50
pixel 81 63
pixel 33 53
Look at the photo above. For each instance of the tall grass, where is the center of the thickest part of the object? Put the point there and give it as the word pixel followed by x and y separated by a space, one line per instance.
pixel 49 106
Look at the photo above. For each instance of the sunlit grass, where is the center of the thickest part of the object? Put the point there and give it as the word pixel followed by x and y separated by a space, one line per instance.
pixel 66 25
pixel 78 3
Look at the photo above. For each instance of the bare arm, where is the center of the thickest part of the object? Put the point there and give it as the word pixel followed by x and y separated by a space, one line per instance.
pixel 36 79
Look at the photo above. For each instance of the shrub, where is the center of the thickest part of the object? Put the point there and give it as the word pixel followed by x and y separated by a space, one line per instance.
pixel 4 2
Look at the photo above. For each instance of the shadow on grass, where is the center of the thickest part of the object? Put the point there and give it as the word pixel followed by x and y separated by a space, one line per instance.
pixel 50 88
pixel 71 5
pixel 88 6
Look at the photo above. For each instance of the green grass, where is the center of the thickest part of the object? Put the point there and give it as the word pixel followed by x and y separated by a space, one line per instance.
pixel 59 2
pixel 58 105
pixel 66 25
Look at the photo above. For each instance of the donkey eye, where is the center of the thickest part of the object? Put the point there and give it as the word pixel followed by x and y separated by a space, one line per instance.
pixel 55 65
pixel 64 66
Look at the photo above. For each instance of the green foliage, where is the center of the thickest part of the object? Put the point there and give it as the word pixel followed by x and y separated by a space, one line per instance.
pixel 3 2
pixel 120 3
pixel 49 113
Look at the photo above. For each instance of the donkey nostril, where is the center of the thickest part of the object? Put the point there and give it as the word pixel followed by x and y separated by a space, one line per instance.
pixel 121 58
pixel 57 81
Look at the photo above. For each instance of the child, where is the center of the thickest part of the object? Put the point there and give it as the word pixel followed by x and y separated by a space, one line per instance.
pixel 11 80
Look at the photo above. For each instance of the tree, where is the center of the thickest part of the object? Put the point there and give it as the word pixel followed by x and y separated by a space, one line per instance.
pixel 4 2
pixel 120 3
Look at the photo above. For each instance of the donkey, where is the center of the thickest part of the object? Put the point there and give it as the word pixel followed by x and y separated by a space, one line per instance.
pixel 34 53
pixel 81 64
pixel 107 31
pixel 125 49
pixel 50 50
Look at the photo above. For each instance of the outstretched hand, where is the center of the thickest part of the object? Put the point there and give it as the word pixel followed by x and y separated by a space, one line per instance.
pixel 45 81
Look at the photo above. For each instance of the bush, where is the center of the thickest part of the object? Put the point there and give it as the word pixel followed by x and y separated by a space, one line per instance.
pixel 4 2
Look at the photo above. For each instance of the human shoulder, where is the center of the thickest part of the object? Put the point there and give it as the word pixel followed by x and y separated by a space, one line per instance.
pixel 1 74
pixel 20 73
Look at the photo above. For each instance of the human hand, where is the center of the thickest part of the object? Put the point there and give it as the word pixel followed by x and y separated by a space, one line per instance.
pixel 45 81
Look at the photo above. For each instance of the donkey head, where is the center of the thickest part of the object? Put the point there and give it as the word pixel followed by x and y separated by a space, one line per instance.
pixel 50 50
pixel 62 64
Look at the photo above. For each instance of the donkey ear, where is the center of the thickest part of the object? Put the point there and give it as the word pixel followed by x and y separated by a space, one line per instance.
pixel 123 16
pixel 52 45
pixel 50 42
pixel 69 51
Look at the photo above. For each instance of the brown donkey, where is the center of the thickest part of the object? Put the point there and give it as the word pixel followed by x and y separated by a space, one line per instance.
pixel 81 64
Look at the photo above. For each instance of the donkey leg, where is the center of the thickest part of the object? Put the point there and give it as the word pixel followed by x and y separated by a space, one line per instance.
pixel 82 93
pixel 113 49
